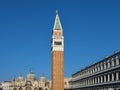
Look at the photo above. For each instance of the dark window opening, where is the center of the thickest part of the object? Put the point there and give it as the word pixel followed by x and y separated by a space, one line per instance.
pixel 65 83
pixel 114 76
pixel 103 78
pixel 110 77
pixel 110 64
pixel 106 78
pixel 100 79
pixel 119 75
pixel 115 63
pixel 106 65
pixel 119 61
pixel 20 88
pixel 58 43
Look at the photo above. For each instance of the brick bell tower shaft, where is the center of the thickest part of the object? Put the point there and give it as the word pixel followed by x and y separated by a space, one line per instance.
pixel 57 55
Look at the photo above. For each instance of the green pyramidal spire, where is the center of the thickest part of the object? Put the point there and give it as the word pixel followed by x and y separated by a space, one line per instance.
pixel 57 24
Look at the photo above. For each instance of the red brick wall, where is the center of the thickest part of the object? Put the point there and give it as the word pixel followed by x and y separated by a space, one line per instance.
pixel 57 70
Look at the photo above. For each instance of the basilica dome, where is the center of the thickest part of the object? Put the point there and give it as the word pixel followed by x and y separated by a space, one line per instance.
pixel 31 75
pixel 20 77
pixel 43 78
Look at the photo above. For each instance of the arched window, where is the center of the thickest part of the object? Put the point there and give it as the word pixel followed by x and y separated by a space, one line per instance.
pixel 28 88
pixel 40 88
pixel 20 88
pixel 35 88
pixel 65 83
pixel 28 83
pixel 15 89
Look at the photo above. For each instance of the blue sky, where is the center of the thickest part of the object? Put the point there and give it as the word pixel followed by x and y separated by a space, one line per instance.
pixel 91 31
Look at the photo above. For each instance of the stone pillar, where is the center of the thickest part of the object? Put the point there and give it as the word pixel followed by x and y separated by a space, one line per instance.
pixel 117 76
pixel 111 88
pixel 90 82
pixel 95 69
pixel 101 67
pixel 108 77
pixel 112 63
pixel 104 78
pixel 98 68
pixel 101 79
pixel 98 80
pixel 95 81
pixel 104 65
pixel 108 64
pixel 117 61
pixel 85 82
pixel 90 71
pixel 112 76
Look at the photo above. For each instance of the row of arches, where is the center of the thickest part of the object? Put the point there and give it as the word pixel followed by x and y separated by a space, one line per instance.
pixel 29 88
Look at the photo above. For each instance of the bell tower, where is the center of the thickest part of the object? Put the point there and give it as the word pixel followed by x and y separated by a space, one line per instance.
pixel 57 55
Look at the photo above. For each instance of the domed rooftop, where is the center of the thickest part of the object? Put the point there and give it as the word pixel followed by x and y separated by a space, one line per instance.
pixel 31 75
pixel 43 78
pixel 20 77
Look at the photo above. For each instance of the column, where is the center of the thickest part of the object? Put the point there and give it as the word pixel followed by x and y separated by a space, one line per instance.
pixel 117 61
pixel 108 77
pixel 108 64
pixel 101 79
pixel 95 80
pixel 104 78
pixel 98 68
pixel 104 65
pixel 117 76
pixel 88 82
pixel 98 79
pixel 91 81
pixel 101 67
pixel 112 63
pixel 112 76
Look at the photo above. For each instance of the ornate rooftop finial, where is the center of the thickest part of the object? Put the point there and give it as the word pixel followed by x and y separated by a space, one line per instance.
pixel 31 71
pixel 56 12
pixel 14 78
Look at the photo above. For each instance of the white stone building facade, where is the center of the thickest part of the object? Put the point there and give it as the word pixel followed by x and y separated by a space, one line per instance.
pixel 6 85
pixel 103 75
pixel 30 83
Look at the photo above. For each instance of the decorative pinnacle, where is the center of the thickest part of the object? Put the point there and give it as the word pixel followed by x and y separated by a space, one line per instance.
pixel 56 11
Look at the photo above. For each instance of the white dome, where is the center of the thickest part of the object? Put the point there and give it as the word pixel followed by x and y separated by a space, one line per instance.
pixel 20 77
pixel 43 78
pixel 31 75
